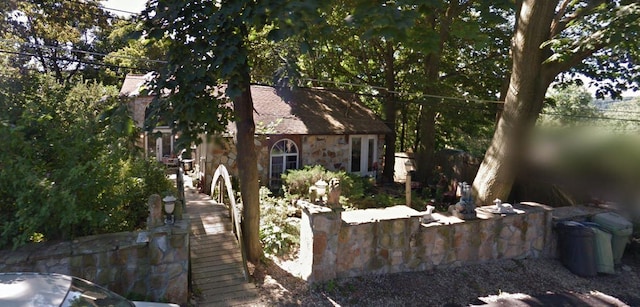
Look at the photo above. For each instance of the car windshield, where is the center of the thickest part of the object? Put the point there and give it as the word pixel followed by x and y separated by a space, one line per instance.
pixel 83 293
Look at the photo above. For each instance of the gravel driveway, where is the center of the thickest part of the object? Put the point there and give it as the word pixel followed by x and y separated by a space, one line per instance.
pixel 527 282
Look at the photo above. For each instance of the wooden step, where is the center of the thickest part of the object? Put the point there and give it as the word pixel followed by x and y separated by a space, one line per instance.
pixel 217 271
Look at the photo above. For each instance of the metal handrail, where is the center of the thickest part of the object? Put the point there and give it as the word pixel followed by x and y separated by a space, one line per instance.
pixel 221 172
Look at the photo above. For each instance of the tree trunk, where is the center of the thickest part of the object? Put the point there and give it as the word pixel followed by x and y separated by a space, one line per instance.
pixel 390 111
pixel 523 102
pixel 248 169
pixel 425 152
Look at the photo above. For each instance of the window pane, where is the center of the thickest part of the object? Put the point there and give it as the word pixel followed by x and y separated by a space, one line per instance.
pixel 276 166
pixel 277 149
pixel 370 157
pixel 356 153
pixel 292 162
pixel 290 147
pixel 166 145
pixel 151 145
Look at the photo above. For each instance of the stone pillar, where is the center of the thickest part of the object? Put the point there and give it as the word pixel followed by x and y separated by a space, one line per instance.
pixel 156 214
pixel 319 231
pixel 168 275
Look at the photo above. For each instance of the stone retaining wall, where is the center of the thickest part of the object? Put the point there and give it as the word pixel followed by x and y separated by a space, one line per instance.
pixel 338 244
pixel 151 265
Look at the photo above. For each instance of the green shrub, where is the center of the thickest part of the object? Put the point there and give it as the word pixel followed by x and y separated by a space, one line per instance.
pixel 297 182
pixel 279 232
pixel 68 167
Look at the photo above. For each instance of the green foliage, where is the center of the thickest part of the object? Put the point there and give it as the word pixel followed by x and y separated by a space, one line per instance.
pixel 279 232
pixel 622 116
pixel 597 42
pixel 67 167
pixel 569 106
pixel 61 26
pixel 212 39
pixel 298 182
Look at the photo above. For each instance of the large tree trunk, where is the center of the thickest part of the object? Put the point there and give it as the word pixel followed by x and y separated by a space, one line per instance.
pixel 248 169
pixel 523 102
pixel 390 111
pixel 425 151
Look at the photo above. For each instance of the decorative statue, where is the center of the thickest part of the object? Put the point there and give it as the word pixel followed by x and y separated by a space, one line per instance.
pixel 313 194
pixel 333 200
pixel 427 217
pixel 502 208
pixel 465 209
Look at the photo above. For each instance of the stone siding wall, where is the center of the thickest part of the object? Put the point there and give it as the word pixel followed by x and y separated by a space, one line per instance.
pixel 379 241
pixel 330 151
pixel 221 150
pixel 138 106
pixel 152 264
pixel 333 152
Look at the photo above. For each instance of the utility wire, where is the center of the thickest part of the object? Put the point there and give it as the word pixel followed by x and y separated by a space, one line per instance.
pixel 404 93
pixel 104 7
pixel 592 117
pixel 82 51
pixel 456 106
pixel 485 101
pixel 75 60
pixel 307 79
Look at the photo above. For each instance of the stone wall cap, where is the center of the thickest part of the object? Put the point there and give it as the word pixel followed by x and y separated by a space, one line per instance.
pixel 313 208
pixel 576 212
pixel 530 205
pixel 444 219
pixel 379 214
pixel 491 210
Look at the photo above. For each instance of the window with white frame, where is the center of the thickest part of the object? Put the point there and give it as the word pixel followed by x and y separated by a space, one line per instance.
pixel 284 156
pixel 364 154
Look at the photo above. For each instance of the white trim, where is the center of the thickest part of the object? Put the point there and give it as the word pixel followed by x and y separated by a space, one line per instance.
pixel 283 156
pixel 364 151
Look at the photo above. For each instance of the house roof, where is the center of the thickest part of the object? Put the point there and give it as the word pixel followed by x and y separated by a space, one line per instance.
pixel 298 111
pixel 312 111
pixel 133 83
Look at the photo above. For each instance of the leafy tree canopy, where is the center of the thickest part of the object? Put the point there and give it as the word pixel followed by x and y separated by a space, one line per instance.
pixel 68 156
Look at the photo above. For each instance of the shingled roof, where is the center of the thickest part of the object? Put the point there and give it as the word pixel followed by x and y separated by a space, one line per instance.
pixel 303 111
pixel 133 83
pixel 313 111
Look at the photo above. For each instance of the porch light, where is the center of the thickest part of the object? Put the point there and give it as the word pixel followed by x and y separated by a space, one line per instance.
pixel 169 206
pixel 408 166
pixel 321 188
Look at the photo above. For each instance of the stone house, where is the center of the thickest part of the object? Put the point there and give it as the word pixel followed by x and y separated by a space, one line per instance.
pixel 294 128
pixel 158 143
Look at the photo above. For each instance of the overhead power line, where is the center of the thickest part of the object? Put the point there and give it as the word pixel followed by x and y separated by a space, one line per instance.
pixel 82 51
pixel 76 60
pixel 592 117
pixel 106 8
pixel 406 94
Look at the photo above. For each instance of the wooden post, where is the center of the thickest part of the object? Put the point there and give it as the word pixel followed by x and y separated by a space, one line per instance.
pixel 408 167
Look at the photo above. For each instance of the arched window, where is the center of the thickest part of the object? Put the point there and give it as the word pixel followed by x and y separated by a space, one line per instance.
pixel 284 156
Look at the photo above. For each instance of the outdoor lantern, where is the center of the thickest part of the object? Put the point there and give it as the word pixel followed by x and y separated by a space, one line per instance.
pixel 169 206
pixel 408 166
pixel 321 188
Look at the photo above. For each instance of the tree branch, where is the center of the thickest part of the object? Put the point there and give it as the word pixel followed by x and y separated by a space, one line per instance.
pixel 556 67
pixel 458 72
pixel 558 25
pixel 555 23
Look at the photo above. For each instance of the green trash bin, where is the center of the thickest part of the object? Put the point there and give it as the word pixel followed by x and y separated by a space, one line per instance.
pixel 620 230
pixel 602 243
